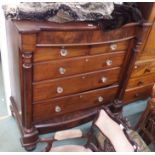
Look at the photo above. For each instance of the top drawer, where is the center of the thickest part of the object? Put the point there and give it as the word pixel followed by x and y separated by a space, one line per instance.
pixel 53 53
pixel 84 36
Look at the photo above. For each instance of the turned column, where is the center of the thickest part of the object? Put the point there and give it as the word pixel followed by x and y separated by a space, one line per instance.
pixel 30 134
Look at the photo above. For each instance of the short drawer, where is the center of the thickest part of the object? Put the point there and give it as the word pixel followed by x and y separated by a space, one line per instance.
pixel 60 52
pixel 137 93
pixel 62 68
pixel 59 106
pixel 143 68
pixel 53 53
pixel 74 84
pixel 109 47
pixel 141 81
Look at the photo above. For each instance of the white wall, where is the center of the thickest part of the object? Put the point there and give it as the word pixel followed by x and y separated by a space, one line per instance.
pixel 5 58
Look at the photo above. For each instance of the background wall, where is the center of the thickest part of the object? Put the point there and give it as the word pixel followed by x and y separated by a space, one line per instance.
pixel 4 58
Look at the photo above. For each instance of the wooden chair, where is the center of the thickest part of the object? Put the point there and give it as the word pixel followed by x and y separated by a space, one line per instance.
pixel 146 124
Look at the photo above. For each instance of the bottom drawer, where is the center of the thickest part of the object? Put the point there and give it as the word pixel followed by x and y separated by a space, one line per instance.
pixel 137 93
pixel 46 110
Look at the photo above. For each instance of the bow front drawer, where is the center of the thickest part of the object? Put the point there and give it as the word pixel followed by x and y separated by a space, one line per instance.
pixel 91 36
pixel 62 52
pixel 74 84
pixel 59 106
pixel 55 69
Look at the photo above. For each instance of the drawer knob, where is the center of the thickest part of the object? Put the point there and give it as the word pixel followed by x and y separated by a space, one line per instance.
pixel 57 109
pixel 63 52
pixel 135 67
pixel 104 79
pixel 109 62
pixel 147 70
pixel 100 99
pixel 59 90
pixel 140 83
pixel 62 70
pixel 113 47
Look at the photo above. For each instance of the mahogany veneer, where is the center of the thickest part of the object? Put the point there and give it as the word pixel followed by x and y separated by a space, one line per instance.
pixel 62 73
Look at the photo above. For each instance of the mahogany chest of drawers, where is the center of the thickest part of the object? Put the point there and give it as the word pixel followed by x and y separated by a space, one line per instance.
pixel 62 73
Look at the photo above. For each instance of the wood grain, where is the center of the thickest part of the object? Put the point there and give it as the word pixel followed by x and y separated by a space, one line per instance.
pixel 143 68
pixel 72 66
pixel 46 110
pixel 141 81
pixel 44 53
pixel 74 84
pixel 137 93
pixel 85 36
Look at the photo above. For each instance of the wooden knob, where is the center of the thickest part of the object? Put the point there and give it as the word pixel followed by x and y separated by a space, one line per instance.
pixel 140 83
pixel 109 62
pixel 59 90
pixel 62 70
pixel 57 108
pixel 147 70
pixel 63 52
pixel 113 47
pixel 104 79
pixel 100 99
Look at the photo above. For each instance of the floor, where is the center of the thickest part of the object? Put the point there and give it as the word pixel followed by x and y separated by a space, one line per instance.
pixel 9 133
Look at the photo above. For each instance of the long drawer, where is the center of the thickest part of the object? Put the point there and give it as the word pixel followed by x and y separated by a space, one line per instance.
pixel 143 68
pixel 58 37
pixel 62 68
pixel 60 52
pixel 141 81
pixel 45 110
pixel 137 93
pixel 75 84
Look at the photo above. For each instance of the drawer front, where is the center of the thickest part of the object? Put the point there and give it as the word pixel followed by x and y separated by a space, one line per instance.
pixel 141 69
pixel 110 47
pixel 146 55
pixel 56 69
pixel 137 93
pixel 141 81
pixel 74 84
pixel 53 53
pixel 85 36
pixel 59 106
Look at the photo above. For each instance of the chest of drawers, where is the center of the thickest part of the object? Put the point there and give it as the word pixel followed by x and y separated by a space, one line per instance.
pixel 142 77
pixel 62 73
